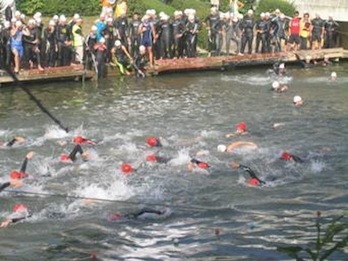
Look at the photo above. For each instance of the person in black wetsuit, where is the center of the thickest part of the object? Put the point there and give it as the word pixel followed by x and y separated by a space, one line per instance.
pixel 15 140
pixel 144 213
pixel 12 183
pixel 288 156
pixel 21 174
pixel 63 37
pixel 5 45
pixel 178 35
pixel 32 43
pixel 214 31
pixel 68 158
pixel 140 61
pixel 331 27
pixel 165 37
pixel 20 212
pixel 50 46
pixel 194 163
pixel 254 180
pixel 317 32
pixel 158 159
pixel 247 26
pixel 121 58
pixel 134 34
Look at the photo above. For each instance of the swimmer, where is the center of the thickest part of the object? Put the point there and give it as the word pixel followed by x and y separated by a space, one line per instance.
pixel 15 140
pixel 237 145
pixel 21 174
pixel 288 156
pixel 333 76
pixel 194 163
pixel 144 213
pixel 83 141
pixel 20 212
pixel 12 183
pixel 158 159
pixel 254 180
pixel 326 61
pixel 278 87
pixel 279 69
pixel 241 129
pixel 153 142
pixel 68 158
pixel 297 101
pixel 308 63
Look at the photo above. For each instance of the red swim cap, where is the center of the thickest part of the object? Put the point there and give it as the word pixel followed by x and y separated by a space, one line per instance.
pixel 79 140
pixel 17 174
pixel 115 217
pixel 286 156
pixel 241 126
pixel 151 157
pixel 19 207
pixel 65 158
pixel 203 165
pixel 152 141
pixel 253 182
pixel 126 168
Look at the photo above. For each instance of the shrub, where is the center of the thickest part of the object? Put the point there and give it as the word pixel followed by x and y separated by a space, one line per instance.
pixel 271 5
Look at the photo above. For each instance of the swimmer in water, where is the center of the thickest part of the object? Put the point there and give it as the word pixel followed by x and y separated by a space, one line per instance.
pixel 194 163
pixel 297 101
pixel 153 142
pixel 13 183
pixel 21 174
pixel 254 180
pixel 66 158
pixel 333 76
pixel 278 87
pixel 241 129
pixel 83 141
pixel 279 69
pixel 15 140
pixel 144 213
pixel 158 159
pixel 287 156
pixel 20 212
pixel 237 145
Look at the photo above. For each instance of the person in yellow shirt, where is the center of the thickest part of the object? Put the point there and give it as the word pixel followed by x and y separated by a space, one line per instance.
pixel 121 8
pixel 305 29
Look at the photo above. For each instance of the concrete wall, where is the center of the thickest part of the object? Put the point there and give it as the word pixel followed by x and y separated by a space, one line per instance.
pixel 338 9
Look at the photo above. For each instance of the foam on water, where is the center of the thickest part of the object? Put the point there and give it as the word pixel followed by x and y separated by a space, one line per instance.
pixel 54 132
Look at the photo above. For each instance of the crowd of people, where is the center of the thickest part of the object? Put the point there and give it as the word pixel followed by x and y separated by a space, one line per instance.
pixel 133 41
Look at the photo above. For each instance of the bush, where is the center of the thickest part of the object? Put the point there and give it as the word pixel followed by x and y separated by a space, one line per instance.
pixel 271 5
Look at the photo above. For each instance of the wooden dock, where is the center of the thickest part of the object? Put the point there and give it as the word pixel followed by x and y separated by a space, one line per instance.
pixel 176 65
pixel 247 60
pixel 48 75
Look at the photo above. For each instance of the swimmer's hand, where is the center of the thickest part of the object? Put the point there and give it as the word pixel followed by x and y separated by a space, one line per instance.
pixel 234 165
pixel 16 183
pixel 230 135
pixel 85 156
pixel 5 223
pixel 30 155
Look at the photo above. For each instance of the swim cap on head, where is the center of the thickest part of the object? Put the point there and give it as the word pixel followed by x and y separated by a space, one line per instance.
pixel 78 140
pixel 281 66
pixel 203 165
pixel 253 182
pixel 275 85
pixel 19 207
pixel 333 75
pixel 297 99
pixel 115 217
pixel 153 142
pixel 142 49
pixel 241 126
pixel 286 156
pixel 102 40
pixel 117 43
pixel 17 174
pixel 64 158
pixel 221 148
pixel 126 168
pixel 151 158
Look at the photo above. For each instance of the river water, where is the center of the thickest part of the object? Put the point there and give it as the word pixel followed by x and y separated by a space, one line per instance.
pixel 210 215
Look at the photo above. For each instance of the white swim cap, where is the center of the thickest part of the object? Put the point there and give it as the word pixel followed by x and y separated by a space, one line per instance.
pixel 17 13
pixel 142 48
pixel 262 15
pixel 22 16
pixel 76 16
pixel 102 40
pixel 7 24
pixel 191 18
pixel 282 16
pixel 18 23
pixel 267 14
pixel 277 11
pixel 13 20
pixel 221 148
pixel 281 66
pixel 51 23
pixel 297 99
pixel 31 22
pixel 109 20
pixel 250 11
pixel 62 18
pixel 275 85
pixel 55 17
pixel 117 43
pixel 333 75
pixel 37 15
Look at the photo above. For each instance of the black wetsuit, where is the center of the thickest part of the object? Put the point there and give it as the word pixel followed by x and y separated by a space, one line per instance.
pixel 77 149
pixel 262 36
pixel 278 27
pixel 191 38
pixel 251 173
pixel 5 46
pixel 214 37
pixel 140 62
pixel 178 42
pixel 90 52
pixel 135 36
pixel 121 24
pixel 330 31
pixel 247 26
pixel 50 46
pixel 4 185
pixel 144 211
pixel 63 35
pixel 109 35
pixel 31 49
pixel 318 25
pixel 165 38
